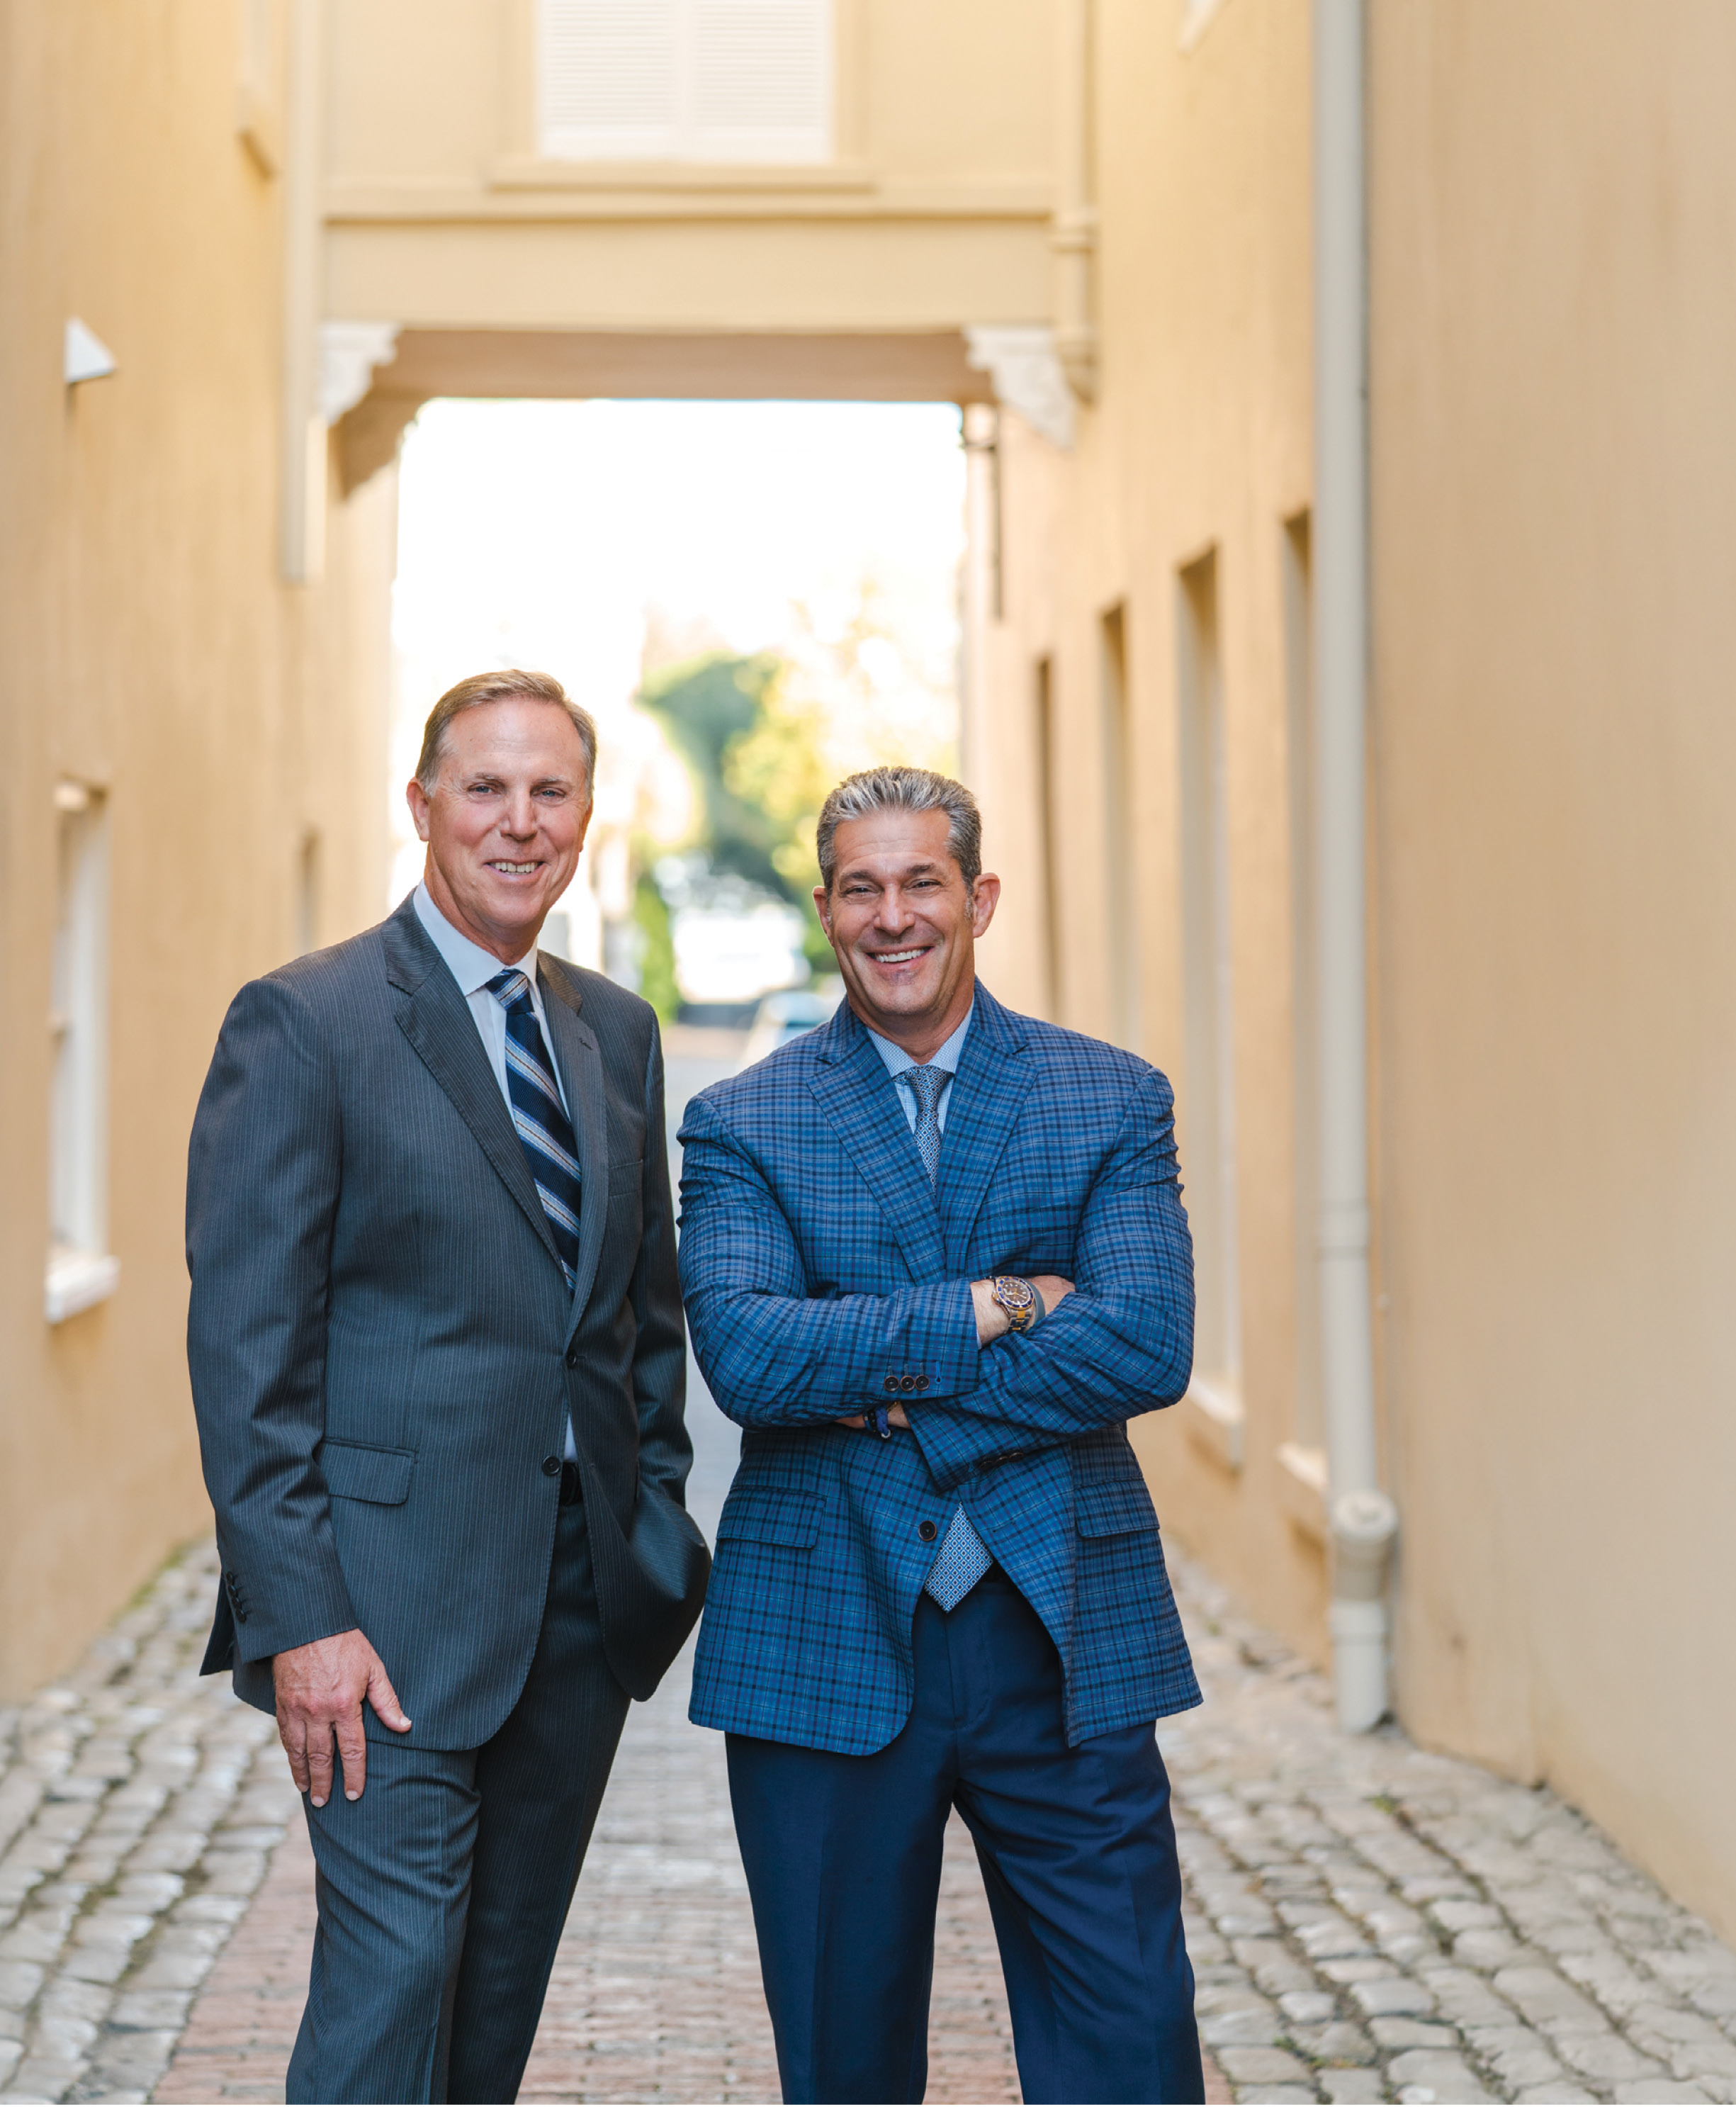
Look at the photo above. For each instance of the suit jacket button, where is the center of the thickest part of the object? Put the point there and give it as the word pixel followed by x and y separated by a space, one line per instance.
pixel 551 1466
pixel 908 1383
pixel 573 1357
pixel 921 1382
pixel 892 1386
pixel 927 1531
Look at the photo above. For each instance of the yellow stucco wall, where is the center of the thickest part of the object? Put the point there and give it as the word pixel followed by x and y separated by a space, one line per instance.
pixel 934 210
pixel 1552 875
pixel 1554 524
pixel 147 650
pixel 1199 443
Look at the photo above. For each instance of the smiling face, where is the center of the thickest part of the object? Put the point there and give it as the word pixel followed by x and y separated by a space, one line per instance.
pixel 505 821
pixel 904 927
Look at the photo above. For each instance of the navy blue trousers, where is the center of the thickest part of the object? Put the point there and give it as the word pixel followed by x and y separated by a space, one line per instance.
pixel 443 1889
pixel 1077 1852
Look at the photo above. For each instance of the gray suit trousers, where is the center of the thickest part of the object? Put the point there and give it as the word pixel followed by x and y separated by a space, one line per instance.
pixel 443 1889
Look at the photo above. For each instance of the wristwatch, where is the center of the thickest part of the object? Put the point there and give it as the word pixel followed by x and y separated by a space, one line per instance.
pixel 1019 1299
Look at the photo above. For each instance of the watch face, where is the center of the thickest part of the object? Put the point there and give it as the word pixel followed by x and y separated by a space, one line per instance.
pixel 1018 1298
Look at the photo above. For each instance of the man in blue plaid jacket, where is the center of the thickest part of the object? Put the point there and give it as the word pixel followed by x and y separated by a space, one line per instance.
pixel 934 1257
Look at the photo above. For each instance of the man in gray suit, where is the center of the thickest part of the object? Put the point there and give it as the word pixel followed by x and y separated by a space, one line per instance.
pixel 437 1358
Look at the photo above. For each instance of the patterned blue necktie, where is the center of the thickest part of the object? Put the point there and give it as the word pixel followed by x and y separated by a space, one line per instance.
pixel 543 1129
pixel 964 1558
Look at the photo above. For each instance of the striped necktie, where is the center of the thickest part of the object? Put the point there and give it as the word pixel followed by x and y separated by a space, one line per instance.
pixel 543 1129
pixel 963 1557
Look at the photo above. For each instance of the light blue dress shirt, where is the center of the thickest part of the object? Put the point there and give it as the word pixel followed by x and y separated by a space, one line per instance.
pixel 960 1545
pixel 472 968
pixel 897 1061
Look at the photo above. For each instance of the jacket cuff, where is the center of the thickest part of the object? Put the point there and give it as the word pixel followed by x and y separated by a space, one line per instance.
pixel 274 1614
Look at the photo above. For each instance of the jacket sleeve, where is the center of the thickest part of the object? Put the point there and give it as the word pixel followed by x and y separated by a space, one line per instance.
pixel 773 1354
pixel 1121 1346
pixel 666 1451
pixel 262 1180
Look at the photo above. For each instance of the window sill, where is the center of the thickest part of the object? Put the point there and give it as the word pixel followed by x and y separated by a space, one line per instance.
pixel 1302 1487
pixel 77 1280
pixel 1216 1420
pixel 550 172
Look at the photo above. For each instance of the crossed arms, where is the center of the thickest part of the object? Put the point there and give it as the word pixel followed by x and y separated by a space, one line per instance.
pixel 776 1355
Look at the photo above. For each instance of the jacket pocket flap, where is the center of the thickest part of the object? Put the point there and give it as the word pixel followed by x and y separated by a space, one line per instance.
pixel 355 1472
pixel 1113 1510
pixel 764 1514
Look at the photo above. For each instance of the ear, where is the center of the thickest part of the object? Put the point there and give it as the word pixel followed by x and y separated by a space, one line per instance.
pixel 822 907
pixel 416 797
pixel 983 900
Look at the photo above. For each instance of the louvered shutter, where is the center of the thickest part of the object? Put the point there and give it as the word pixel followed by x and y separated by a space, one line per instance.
pixel 695 80
pixel 609 79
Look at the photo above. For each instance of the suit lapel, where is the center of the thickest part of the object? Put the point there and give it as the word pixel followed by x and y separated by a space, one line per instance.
pixel 862 1108
pixel 577 1053
pixel 986 1104
pixel 436 1019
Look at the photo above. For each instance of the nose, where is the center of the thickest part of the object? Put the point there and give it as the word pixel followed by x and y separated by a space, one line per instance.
pixel 519 818
pixel 895 911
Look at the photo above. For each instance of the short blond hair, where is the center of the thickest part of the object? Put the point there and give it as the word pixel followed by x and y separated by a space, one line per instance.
pixel 510 684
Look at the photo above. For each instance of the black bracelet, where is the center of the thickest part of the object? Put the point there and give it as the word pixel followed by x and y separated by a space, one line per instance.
pixel 878 1420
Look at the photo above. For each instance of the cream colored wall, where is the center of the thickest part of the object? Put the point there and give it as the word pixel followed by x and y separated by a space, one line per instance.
pixel 1200 441
pixel 1554 527
pixel 1553 878
pixel 147 648
pixel 440 214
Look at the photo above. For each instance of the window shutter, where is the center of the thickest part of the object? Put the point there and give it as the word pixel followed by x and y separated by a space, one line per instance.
pixel 609 79
pixel 694 80
pixel 762 80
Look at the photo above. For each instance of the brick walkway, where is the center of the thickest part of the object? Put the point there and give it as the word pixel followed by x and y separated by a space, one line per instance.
pixel 1368 1922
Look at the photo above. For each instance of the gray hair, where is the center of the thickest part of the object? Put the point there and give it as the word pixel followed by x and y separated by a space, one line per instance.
pixel 511 685
pixel 903 790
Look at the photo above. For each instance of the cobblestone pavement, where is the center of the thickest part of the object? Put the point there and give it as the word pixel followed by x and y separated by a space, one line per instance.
pixel 1368 1921
pixel 1373 1923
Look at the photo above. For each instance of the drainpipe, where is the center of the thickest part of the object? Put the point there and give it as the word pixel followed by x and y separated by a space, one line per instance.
pixel 302 434
pixel 1364 1520
pixel 1073 231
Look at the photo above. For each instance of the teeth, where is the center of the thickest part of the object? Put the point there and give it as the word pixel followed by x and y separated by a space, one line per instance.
pixel 896 957
pixel 518 869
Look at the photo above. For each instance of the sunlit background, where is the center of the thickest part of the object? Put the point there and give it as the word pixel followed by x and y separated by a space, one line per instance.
pixel 751 598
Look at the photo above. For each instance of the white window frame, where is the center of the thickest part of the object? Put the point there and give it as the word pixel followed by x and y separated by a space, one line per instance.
pixel 1207 1119
pixel 81 1271
pixel 688 133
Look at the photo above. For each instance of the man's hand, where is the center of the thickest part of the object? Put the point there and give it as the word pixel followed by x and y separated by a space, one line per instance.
pixel 991 1324
pixel 896 1416
pixel 991 1320
pixel 320 1692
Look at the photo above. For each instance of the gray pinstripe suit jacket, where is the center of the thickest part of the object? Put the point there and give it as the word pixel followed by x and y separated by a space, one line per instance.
pixel 382 1350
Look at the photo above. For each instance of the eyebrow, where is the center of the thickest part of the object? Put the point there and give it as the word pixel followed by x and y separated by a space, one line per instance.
pixel 914 871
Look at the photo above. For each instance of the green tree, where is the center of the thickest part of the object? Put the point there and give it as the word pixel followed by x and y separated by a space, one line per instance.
pixel 705 705
pixel 656 964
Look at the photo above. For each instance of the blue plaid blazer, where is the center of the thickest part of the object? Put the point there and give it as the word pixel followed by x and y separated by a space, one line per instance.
pixel 822 1273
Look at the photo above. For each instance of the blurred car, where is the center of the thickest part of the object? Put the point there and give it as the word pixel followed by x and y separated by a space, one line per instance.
pixel 786 1016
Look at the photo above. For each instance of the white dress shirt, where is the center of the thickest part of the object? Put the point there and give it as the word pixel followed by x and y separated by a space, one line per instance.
pixel 472 968
pixel 897 1061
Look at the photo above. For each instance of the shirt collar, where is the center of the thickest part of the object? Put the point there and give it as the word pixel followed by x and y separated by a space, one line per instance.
pixel 897 1060
pixel 470 965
